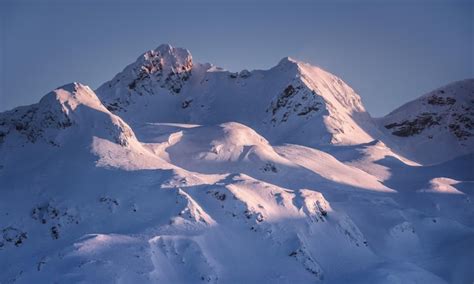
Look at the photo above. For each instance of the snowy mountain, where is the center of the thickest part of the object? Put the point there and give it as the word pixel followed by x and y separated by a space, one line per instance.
pixel 442 119
pixel 73 109
pixel 180 172
pixel 288 103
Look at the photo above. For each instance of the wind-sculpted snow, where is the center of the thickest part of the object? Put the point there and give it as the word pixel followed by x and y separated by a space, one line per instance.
pixel 178 173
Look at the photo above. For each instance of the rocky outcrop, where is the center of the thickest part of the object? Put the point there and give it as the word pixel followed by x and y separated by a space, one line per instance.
pixel 442 119
pixel 295 100
pixel 165 68
pixel 412 127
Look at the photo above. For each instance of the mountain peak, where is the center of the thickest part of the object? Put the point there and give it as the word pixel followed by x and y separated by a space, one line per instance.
pixel 285 164
pixel 443 116
pixel 287 59
pixel 169 49
pixel 166 57
pixel 72 87
pixel 292 96
pixel 287 62
pixel 72 105
pixel 165 67
pixel 69 96
pixel 164 47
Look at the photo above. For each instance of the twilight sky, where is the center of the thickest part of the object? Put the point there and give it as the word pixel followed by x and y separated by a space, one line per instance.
pixel 389 51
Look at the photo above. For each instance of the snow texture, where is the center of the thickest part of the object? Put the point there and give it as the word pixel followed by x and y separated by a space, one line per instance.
pixel 181 172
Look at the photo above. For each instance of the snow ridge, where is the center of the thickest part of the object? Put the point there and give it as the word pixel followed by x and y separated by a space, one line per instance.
pixel 181 172
pixel 443 118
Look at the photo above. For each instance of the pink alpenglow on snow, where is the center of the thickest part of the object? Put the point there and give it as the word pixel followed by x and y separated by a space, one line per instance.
pixel 181 172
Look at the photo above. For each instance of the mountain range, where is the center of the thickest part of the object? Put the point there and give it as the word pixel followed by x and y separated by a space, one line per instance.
pixel 181 172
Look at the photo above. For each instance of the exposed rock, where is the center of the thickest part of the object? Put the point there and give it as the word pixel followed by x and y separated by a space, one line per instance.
pixel 32 122
pixel 186 103
pixel 244 74
pixel 14 236
pixel 270 167
pixel 296 99
pixel 436 100
pixel 416 126
pixel 165 67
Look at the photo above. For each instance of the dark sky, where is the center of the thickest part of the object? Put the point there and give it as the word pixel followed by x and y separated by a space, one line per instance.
pixel 389 51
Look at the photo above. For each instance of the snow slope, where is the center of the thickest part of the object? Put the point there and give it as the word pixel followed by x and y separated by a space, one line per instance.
pixel 291 102
pixel 179 172
pixel 71 109
pixel 440 122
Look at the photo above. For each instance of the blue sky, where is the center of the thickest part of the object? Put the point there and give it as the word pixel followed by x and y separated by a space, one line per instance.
pixel 389 51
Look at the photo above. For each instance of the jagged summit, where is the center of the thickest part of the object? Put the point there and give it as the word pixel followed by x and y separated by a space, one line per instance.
pixel 150 180
pixel 166 57
pixel 291 102
pixel 173 58
pixel 165 67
